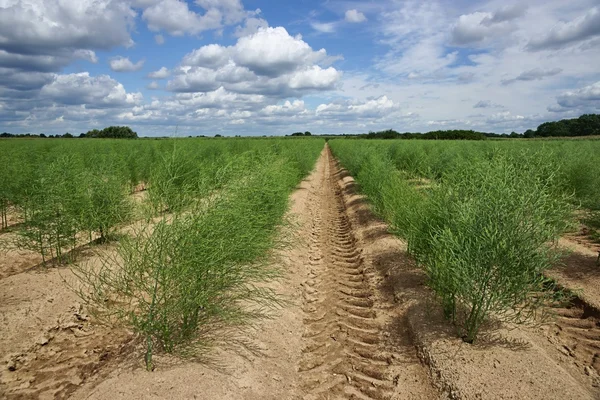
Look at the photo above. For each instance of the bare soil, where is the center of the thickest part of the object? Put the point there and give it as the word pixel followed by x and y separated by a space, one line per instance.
pixel 49 344
pixel 359 324
pixel 355 344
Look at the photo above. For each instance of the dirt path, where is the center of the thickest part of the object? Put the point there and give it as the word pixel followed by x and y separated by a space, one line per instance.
pixel 346 353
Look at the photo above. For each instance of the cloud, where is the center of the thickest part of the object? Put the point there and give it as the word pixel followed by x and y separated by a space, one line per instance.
pixel 23 81
pixel 418 44
pixel 93 92
pixel 566 33
pixel 324 27
pixel 504 117
pixel 232 10
pixel 35 62
pixel 210 56
pixel 585 99
pixel 194 79
pixel 176 17
pixel 273 52
pixel 46 35
pixel 160 74
pixel 159 39
pixel 479 26
pixel 351 16
pixel 219 100
pixel 124 64
pixel 286 109
pixel 533 75
pixel 354 16
pixel 269 62
pixel 251 26
pixel 375 108
pixel 314 78
pixel 508 13
pixel 487 104
pixel 54 26
pixel 153 85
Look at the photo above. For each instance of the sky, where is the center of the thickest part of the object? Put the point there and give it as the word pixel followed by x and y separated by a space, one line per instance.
pixel 251 67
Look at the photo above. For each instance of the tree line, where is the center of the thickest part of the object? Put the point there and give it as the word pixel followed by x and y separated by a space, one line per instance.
pixel 457 134
pixel 585 125
pixel 111 132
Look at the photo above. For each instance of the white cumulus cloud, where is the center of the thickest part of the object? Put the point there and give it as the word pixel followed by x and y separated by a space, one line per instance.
pixel 270 62
pixel 160 74
pixel 355 16
pixel 93 92
pixel 124 64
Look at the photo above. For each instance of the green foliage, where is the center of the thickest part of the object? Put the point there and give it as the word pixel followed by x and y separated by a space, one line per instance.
pixel 174 182
pixel 53 209
pixel 113 132
pixel 199 269
pixel 586 125
pixel 483 240
pixel 433 135
pixel 107 203
pixel 479 227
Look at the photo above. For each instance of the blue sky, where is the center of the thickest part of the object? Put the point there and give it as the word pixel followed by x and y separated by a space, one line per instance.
pixel 264 67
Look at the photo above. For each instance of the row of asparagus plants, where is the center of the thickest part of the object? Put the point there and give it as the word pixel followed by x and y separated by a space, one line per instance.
pixel 201 268
pixel 68 192
pixel 479 228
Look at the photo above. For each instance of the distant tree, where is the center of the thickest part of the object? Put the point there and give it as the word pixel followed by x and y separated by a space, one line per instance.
pixel 94 133
pixel 454 135
pixel 529 133
pixel 307 133
pixel 388 134
pixel 585 125
pixel 113 132
pixel 217 135
pixel 297 134
pixel 67 135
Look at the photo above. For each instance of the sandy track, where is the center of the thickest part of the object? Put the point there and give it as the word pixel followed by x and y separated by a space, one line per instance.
pixel 345 352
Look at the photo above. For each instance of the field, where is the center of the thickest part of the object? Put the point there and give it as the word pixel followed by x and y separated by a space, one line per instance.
pixel 367 269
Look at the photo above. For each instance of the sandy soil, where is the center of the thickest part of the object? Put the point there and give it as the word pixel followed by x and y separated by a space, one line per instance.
pixel 49 344
pixel 580 271
pixel 14 261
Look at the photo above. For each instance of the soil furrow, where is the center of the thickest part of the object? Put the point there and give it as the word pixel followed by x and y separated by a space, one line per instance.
pixel 344 354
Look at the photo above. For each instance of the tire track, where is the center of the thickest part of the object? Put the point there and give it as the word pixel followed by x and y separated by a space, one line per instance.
pixel 577 332
pixel 342 355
